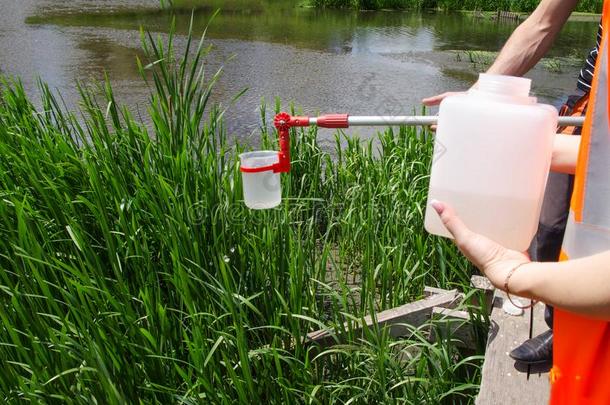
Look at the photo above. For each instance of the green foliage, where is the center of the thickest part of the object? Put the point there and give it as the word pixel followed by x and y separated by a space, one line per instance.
pixel 365 4
pixel 133 273
pixel 590 6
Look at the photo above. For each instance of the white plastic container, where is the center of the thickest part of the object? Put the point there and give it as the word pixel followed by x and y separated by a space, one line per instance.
pixel 492 156
pixel 262 190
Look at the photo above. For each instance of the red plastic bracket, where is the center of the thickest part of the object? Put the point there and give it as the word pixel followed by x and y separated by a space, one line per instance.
pixel 283 122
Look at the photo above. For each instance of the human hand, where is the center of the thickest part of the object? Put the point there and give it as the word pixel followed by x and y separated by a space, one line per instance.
pixel 436 100
pixel 494 260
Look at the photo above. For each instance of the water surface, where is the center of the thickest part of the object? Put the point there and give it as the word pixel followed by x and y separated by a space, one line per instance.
pixel 320 60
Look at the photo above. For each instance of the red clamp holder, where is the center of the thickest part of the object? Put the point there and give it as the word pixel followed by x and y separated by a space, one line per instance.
pixel 283 122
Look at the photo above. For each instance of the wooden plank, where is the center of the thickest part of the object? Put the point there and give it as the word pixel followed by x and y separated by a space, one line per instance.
pixel 429 291
pixel 482 283
pixel 414 313
pixel 453 324
pixel 505 381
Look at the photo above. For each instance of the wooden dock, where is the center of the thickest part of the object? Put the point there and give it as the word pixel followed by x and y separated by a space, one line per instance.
pixel 504 381
pixel 508 16
pixel 437 304
pixel 395 319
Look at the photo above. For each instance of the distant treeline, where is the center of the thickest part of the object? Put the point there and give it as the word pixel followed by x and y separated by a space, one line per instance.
pixel 590 6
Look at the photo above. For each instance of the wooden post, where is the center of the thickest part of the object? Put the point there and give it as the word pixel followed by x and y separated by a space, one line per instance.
pixel 487 289
pixel 453 324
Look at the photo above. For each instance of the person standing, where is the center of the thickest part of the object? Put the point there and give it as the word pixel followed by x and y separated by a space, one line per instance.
pixel 525 47
pixel 578 286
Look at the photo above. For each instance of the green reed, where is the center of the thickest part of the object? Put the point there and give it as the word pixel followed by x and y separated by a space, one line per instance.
pixel 133 273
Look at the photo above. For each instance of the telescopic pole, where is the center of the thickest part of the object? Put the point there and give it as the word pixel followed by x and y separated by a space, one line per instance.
pixel 283 122
pixel 398 120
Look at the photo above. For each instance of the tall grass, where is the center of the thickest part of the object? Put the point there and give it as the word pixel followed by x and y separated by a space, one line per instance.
pixel 133 273
pixel 589 6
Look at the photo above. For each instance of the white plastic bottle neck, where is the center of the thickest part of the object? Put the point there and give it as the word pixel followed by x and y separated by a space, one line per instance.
pixel 504 85
pixel 504 88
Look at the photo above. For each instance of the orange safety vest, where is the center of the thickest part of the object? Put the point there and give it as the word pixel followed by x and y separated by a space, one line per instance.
pixel 581 346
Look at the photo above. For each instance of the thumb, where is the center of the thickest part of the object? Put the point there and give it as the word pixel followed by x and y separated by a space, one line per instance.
pixel 434 100
pixel 452 222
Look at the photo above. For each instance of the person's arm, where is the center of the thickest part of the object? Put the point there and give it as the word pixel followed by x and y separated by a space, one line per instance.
pixel 528 43
pixel 533 38
pixel 565 153
pixel 581 286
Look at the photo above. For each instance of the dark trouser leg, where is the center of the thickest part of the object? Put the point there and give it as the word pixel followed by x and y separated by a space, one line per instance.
pixel 546 245
pixel 547 242
pixel 548 316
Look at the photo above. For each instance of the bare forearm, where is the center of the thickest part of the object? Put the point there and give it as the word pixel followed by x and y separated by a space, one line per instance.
pixel 581 286
pixel 525 47
pixel 533 38
pixel 565 153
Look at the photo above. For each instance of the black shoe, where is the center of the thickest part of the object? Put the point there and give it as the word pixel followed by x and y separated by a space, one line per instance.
pixel 536 350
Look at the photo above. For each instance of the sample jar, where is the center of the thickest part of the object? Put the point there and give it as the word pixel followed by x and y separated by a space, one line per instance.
pixel 262 187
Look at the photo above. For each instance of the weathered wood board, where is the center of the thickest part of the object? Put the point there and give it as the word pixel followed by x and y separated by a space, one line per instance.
pixel 504 381
pixel 454 324
pixel 414 313
pixel 483 284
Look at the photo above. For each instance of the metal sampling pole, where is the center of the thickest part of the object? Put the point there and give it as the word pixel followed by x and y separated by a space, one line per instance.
pixel 408 120
pixel 283 122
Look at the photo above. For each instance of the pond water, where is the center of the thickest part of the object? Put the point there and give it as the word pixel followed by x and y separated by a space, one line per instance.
pixel 320 60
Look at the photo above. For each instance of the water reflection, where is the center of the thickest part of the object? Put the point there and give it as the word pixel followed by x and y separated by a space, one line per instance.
pixel 329 30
